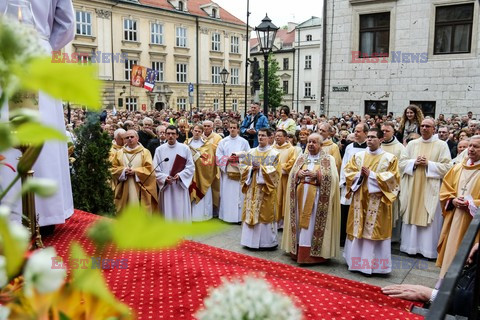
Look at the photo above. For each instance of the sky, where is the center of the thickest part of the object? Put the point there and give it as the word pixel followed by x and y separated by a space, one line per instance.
pixel 279 11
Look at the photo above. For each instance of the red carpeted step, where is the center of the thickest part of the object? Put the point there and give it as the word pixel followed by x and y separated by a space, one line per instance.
pixel 172 284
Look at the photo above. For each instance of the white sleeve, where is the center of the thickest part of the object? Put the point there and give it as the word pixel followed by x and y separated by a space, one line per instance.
pixel 432 171
pixel 260 179
pixel 373 186
pixel 409 167
pixel 123 177
pixel 357 182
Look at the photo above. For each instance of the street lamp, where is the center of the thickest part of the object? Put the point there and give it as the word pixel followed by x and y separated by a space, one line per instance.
pixel 266 33
pixel 224 75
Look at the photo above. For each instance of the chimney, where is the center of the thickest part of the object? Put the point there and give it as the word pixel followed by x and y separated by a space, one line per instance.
pixel 291 26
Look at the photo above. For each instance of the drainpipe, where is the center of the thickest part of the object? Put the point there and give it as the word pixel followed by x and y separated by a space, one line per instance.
pixel 197 80
pixel 324 56
pixel 298 66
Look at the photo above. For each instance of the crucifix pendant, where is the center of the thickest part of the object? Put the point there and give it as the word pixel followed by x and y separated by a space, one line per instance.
pixel 464 189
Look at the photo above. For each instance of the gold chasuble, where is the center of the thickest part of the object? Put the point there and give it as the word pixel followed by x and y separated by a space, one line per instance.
pixel 287 158
pixel 260 196
pixel 322 198
pixel 463 180
pixel 370 215
pixel 128 189
pixel 396 148
pixel 421 197
pixel 205 170
pixel 111 155
pixel 331 148
pixel 213 139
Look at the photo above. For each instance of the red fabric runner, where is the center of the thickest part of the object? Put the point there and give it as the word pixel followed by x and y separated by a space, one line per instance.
pixel 172 284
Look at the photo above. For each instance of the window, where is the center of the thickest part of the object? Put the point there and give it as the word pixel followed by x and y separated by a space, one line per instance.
pixel 180 5
pixel 428 107
pixel 453 29
pixel 285 64
pixel 182 72
pixel 374 108
pixel 308 89
pixel 308 62
pixel 309 37
pixel 234 76
pixel 129 30
pixel 215 41
pixel 131 103
pixel 214 13
pixel 307 109
pixel 216 75
pixel 157 65
pixel 84 23
pixel 235 44
pixel 234 104
pixel 156 33
pixel 128 68
pixel 215 104
pixel 182 103
pixel 84 59
pixel 374 34
pixel 181 38
pixel 285 86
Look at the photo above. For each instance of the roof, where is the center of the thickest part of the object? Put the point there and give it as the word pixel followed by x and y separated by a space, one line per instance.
pixel 283 36
pixel 194 8
pixel 312 22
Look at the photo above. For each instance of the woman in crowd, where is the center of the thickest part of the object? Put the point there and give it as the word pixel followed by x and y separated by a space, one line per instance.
pixel 410 123
pixel 285 122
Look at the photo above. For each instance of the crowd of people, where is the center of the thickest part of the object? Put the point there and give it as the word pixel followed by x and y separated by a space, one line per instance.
pixel 358 182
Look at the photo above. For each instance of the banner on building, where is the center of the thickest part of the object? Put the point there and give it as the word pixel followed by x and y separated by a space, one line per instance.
pixel 150 79
pixel 138 76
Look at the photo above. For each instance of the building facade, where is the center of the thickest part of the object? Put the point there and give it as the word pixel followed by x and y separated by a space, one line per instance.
pixel 308 56
pixel 187 41
pixel 384 55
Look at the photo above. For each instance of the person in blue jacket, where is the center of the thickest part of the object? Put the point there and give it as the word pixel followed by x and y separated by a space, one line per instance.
pixel 252 123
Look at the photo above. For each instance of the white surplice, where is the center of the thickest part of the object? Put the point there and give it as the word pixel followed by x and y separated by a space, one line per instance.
pixel 203 210
pixel 231 199
pixel 55 22
pixel 174 199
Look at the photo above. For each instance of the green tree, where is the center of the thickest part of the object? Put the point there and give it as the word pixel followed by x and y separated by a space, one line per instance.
pixel 91 175
pixel 275 92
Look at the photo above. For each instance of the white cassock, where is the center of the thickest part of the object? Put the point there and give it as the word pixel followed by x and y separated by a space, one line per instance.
pixel 174 199
pixel 203 210
pixel 231 200
pixel 350 150
pixel 55 21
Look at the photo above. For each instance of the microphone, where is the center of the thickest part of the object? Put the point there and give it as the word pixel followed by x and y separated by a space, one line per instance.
pixel 164 160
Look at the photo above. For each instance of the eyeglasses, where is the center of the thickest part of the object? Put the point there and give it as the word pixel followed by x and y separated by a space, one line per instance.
pixel 130 137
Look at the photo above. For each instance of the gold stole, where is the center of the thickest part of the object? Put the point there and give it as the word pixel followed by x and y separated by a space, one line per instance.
pixel 305 211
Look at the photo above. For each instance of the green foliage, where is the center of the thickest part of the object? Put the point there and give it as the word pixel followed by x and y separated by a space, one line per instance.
pixel 12 249
pixel 63 81
pixel 91 176
pixel 137 229
pixel 90 279
pixel 275 91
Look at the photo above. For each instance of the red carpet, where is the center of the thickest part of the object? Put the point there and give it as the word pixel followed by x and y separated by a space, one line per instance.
pixel 172 284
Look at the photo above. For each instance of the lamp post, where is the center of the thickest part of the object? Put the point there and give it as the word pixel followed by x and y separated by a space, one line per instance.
pixel 266 32
pixel 224 75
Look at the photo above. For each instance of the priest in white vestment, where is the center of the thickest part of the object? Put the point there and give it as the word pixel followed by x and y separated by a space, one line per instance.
pixel 55 22
pixel 424 163
pixel 392 145
pixel 359 145
pixel 205 172
pixel 231 196
pixel 174 197
pixel 372 182
pixel 260 181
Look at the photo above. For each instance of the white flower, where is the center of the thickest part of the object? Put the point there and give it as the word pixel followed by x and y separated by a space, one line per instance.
pixel 20 234
pixel 251 298
pixel 4 313
pixel 39 273
pixel 3 275
pixel 4 211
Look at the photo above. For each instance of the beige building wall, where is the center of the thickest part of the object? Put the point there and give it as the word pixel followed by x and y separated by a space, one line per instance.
pixel 107 23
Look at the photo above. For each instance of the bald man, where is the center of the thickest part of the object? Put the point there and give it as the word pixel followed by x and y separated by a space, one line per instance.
pixel 424 163
pixel 312 213
pixel 131 171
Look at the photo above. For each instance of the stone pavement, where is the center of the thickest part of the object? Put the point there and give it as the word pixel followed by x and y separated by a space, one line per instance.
pixel 406 269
